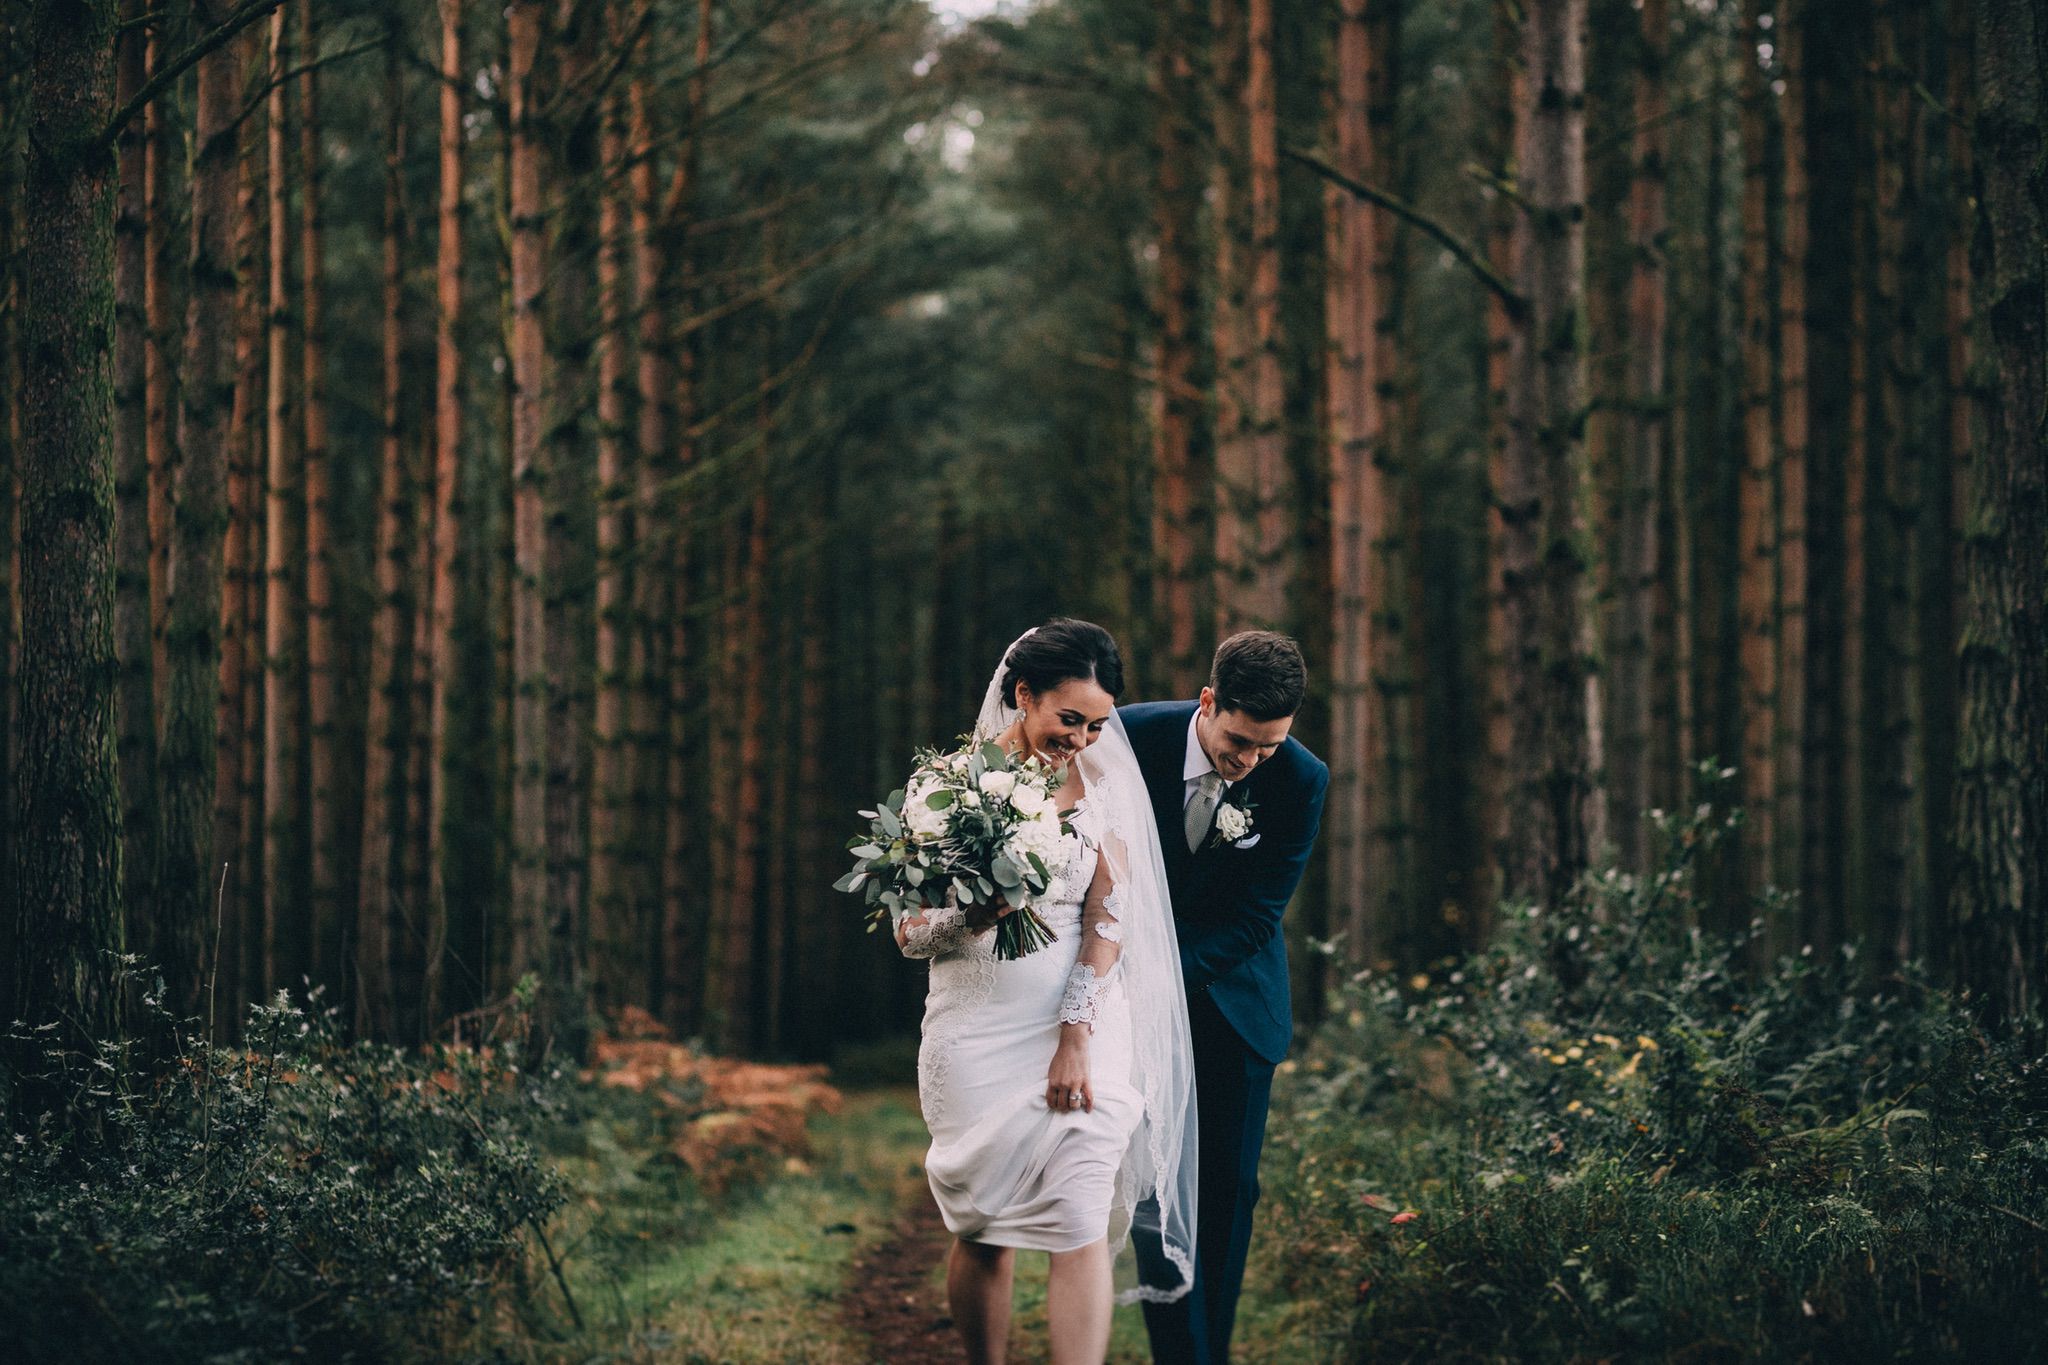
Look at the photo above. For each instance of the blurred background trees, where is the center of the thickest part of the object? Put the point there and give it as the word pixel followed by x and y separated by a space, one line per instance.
pixel 491 490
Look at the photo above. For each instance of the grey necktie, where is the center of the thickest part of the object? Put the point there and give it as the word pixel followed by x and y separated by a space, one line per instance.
pixel 1202 809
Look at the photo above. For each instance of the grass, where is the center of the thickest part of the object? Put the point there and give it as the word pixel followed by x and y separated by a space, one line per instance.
pixel 660 1272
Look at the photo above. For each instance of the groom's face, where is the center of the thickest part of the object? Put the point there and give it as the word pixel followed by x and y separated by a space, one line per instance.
pixel 1234 741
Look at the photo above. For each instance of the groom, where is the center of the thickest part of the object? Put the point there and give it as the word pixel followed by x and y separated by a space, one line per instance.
pixel 1238 804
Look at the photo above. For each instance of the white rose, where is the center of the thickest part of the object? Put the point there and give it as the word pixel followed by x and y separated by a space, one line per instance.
pixel 1028 799
pixel 922 821
pixel 1232 822
pixel 999 784
pixel 1032 837
pixel 971 800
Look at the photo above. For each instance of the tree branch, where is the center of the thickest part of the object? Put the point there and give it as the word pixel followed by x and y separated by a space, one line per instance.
pixel 256 98
pixel 177 66
pixel 1517 306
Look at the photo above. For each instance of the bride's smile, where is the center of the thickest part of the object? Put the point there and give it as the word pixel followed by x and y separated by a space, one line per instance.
pixel 1059 722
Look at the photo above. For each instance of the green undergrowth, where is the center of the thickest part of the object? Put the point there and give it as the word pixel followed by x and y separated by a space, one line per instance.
pixel 300 1196
pixel 1601 1139
pixel 660 1271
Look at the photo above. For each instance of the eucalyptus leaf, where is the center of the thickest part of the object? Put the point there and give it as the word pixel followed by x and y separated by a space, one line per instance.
pixel 940 799
pixel 1006 874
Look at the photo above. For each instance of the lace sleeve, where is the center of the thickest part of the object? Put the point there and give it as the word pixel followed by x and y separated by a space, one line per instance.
pixel 1102 937
pixel 938 930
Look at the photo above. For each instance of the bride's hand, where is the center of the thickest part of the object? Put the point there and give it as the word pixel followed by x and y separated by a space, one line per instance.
pixel 982 915
pixel 1066 1083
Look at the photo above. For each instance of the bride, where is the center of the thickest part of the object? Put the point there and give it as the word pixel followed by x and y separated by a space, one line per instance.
pixel 1059 1086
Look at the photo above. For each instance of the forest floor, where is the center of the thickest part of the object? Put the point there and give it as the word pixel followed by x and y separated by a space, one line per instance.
pixel 834 1256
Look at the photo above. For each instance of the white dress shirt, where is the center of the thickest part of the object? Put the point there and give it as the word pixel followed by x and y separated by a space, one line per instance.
pixel 1196 765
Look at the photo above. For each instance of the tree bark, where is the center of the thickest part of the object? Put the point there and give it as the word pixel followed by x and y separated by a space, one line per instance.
pixel 446 512
pixel 1507 94
pixel 1999 903
pixel 683 903
pixel 530 682
pixel 384 737
pixel 163 156
pixel 134 623
pixel 614 950
pixel 1900 776
pixel 288 937
pixel 1179 464
pixel 189 884
pixel 1644 436
pixel 1359 871
pixel 1555 812
pixel 324 790
pixel 238 724
pixel 66 893
pixel 1253 543
pixel 1795 826
pixel 1757 574
pixel 1229 308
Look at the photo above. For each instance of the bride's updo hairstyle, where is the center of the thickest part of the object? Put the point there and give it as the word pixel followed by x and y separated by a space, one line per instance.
pixel 1061 650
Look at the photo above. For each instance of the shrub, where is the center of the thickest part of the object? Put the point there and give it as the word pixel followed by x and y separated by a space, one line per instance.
pixel 1600 1137
pixel 301 1194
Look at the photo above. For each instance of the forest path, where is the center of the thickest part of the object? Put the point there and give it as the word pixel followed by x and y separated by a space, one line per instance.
pixel 889 1299
pixel 894 1294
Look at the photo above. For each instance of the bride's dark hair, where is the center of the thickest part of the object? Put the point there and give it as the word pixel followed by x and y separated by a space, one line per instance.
pixel 1061 650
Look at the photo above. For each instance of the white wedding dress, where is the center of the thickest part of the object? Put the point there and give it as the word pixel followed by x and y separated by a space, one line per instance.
pixel 1005 1168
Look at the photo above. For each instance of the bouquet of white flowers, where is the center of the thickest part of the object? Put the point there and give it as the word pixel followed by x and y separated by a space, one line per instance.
pixel 975 822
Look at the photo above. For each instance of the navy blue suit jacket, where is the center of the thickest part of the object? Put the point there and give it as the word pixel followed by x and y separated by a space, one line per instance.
pixel 1227 900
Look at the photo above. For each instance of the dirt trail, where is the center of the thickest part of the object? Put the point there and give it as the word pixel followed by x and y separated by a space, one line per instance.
pixel 890 1298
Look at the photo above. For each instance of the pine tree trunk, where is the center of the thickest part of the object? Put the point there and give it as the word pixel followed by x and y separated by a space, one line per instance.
pixel 163 253
pixel 1555 815
pixel 445 512
pixel 1899 769
pixel 683 900
pixel 384 738
pixel 12 84
pixel 1795 825
pixel 238 713
pixel 1506 96
pixel 1356 873
pixel 288 937
pixel 1253 479
pixel 1178 462
pixel 1644 437
pixel 614 948
pixel 1757 575
pixel 652 586
pixel 323 703
pixel 567 328
pixel 190 883
pixel 530 682
pixel 134 627
pixel 66 878
pixel 1229 309
pixel 1999 902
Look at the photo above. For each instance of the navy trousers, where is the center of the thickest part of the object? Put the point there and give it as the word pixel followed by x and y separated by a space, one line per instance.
pixel 1232 1087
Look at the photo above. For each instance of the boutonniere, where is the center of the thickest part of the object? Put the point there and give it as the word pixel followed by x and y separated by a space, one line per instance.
pixel 1233 825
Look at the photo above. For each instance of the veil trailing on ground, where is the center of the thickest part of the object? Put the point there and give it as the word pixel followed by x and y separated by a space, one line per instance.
pixel 1152 1218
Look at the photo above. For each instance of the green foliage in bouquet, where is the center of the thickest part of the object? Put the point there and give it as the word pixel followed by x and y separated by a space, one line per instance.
pixel 298 1196
pixel 977 824
pixel 1603 1136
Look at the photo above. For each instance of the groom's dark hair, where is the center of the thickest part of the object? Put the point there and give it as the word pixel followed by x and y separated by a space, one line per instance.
pixel 1062 650
pixel 1260 673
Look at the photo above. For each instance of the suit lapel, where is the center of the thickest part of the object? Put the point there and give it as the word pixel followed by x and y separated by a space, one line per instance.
pixel 1162 765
